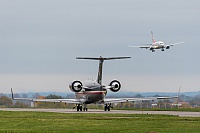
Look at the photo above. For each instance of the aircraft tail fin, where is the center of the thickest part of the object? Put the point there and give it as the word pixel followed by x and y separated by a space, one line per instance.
pixel 153 40
pixel 12 94
pixel 101 60
pixel 178 94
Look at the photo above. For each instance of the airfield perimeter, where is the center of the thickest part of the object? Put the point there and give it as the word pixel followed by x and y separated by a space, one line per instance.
pixel 95 111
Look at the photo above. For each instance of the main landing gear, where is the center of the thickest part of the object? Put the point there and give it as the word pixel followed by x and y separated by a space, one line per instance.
pixel 79 107
pixel 107 107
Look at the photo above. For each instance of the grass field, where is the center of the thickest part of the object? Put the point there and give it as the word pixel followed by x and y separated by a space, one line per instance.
pixel 60 122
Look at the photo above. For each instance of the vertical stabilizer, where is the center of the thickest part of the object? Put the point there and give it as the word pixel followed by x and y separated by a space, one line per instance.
pixel 101 60
pixel 153 40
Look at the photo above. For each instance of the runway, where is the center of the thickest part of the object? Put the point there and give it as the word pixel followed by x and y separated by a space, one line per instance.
pixel 95 111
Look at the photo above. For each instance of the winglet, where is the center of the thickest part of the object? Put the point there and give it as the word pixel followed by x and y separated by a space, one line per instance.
pixel 12 94
pixel 179 91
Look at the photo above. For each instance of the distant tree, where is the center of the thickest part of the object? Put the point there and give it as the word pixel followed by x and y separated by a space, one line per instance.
pixel 195 100
pixel 5 101
pixel 36 95
pixel 53 96
pixel 16 95
pixel 183 97
pixel 50 104
pixel 138 96
pixel 20 105
pixel 70 96
pixel 156 95
pixel 24 95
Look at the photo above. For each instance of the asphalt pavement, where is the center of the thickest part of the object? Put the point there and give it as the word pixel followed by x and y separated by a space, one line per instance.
pixel 96 111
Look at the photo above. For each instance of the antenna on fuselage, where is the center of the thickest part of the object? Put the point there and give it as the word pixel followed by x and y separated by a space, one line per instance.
pixel 101 60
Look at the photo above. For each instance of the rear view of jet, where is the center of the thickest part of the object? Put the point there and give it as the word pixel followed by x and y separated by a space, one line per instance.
pixel 93 91
pixel 157 45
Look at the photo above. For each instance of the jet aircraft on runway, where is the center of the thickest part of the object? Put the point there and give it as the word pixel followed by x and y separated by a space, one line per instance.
pixel 157 45
pixel 93 92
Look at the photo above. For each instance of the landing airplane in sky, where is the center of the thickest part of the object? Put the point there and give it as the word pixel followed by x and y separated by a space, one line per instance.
pixel 92 91
pixel 157 45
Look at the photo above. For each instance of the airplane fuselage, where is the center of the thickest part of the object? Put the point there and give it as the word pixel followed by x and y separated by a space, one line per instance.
pixel 94 93
pixel 158 45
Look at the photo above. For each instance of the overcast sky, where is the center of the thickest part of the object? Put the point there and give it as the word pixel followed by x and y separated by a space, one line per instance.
pixel 40 39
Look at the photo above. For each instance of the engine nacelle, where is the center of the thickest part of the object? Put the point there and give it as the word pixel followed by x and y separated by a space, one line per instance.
pixel 115 85
pixel 167 47
pixel 76 86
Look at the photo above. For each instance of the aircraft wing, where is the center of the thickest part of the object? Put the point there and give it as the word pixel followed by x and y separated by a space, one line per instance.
pixel 143 46
pixel 52 100
pixel 49 100
pixel 175 43
pixel 60 100
pixel 122 100
pixel 106 100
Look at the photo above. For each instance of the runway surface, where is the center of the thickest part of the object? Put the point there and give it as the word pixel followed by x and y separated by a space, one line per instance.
pixel 95 111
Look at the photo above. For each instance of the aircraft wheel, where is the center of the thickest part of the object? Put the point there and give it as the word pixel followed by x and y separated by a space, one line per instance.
pixel 85 109
pixel 79 107
pixel 105 107
pixel 108 108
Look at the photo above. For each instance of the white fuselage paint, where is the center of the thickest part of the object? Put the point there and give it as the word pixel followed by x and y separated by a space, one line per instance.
pixel 158 45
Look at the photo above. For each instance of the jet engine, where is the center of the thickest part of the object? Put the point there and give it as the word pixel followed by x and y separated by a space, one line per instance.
pixel 115 85
pixel 76 86
pixel 167 47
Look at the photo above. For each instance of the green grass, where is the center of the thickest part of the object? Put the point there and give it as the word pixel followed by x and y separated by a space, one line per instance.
pixel 60 122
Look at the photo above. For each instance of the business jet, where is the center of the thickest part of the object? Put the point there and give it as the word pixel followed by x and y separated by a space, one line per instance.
pixel 157 45
pixel 92 91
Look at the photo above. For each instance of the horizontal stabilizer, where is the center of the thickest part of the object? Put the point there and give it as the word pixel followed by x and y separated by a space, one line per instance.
pixel 101 58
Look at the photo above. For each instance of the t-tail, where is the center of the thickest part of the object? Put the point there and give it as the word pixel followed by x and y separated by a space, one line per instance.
pixel 101 60
pixel 153 40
